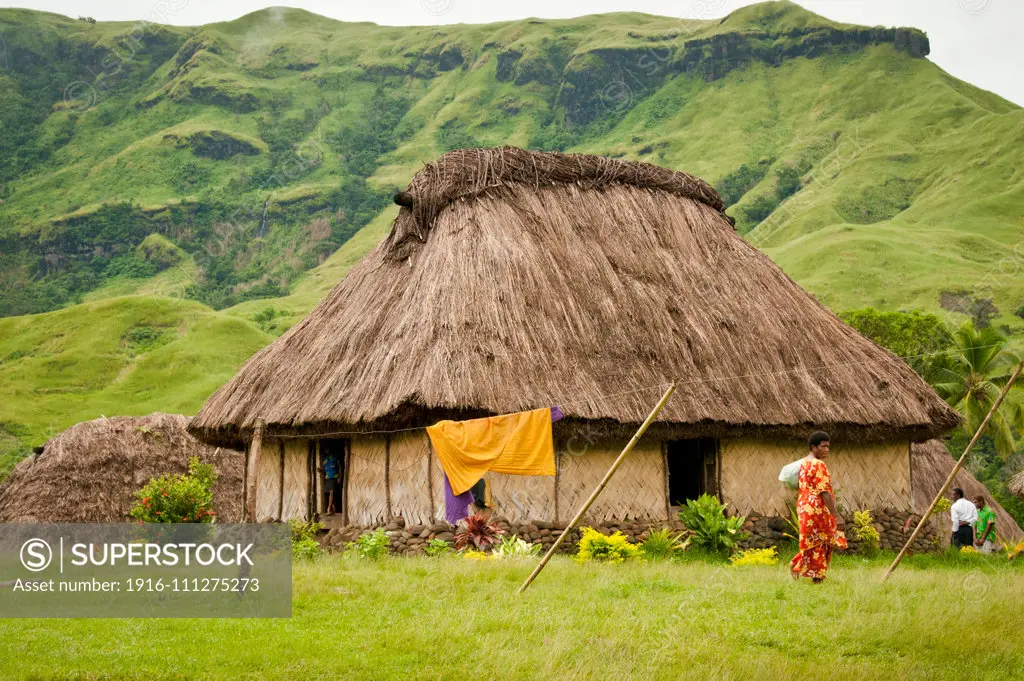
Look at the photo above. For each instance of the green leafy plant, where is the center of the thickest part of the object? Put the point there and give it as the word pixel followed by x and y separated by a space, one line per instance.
pixel 865 532
pixel 437 547
pixel 480 533
pixel 768 556
pixel 944 505
pixel 663 544
pixel 514 547
pixel 614 548
pixel 792 532
pixel 370 545
pixel 713 531
pixel 304 543
pixel 185 498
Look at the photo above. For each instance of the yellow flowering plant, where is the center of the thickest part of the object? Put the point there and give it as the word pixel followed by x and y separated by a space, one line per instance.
pixel 614 548
pixel 768 556
pixel 864 530
pixel 1013 547
pixel 470 554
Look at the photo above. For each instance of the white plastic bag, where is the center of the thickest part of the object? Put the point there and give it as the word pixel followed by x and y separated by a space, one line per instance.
pixel 790 474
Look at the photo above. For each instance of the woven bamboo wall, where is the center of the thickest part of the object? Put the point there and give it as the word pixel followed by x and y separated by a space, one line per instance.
pixel 522 498
pixel 408 476
pixel 436 484
pixel 863 476
pixel 268 480
pixel 296 480
pixel 367 494
pixel 637 490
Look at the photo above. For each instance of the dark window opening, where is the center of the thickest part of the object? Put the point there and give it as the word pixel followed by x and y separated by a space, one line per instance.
pixel 692 469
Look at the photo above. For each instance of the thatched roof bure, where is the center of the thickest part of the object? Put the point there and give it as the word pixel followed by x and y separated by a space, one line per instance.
pixel 91 471
pixel 1016 484
pixel 517 280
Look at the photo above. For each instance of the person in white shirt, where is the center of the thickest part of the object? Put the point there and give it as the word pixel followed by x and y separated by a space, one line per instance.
pixel 963 515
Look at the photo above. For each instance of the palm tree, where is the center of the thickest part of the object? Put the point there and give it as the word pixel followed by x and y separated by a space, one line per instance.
pixel 971 377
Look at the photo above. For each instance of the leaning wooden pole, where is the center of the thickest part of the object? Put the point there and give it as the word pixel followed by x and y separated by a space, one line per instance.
pixel 956 469
pixel 600 488
pixel 252 467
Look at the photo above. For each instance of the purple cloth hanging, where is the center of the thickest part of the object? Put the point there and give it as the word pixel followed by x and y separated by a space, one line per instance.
pixel 556 414
pixel 455 505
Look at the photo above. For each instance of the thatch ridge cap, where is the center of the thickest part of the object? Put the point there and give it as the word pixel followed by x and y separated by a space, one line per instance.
pixel 468 173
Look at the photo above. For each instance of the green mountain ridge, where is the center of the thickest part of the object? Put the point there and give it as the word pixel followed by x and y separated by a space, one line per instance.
pixel 185 194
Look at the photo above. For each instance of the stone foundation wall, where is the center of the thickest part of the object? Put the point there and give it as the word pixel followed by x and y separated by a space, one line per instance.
pixel 764 531
pixel 892 525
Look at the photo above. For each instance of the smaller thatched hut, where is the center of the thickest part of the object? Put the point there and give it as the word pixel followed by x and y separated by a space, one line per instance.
pixel 89 473
pixel 1017 484
pixel 930 465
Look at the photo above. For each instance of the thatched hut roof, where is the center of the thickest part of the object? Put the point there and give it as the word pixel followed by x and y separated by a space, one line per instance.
pixel 1016 484
pixel 931 464
pixel 90 472
pixel 513 280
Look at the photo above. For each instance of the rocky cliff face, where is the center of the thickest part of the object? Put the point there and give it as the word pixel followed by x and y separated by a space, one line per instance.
pixel 600 80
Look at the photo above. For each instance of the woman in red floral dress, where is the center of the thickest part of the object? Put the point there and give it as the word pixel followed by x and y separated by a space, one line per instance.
pixel 821 527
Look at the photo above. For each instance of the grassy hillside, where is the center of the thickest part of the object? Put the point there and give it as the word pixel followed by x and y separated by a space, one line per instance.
pixel 189 198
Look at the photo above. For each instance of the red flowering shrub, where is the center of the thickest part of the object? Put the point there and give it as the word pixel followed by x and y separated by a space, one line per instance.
pixel 178 498
pixel 480 533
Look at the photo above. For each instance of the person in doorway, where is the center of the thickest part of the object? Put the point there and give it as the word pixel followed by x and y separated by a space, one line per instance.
pixel 332 475
pixel 985 527
pixel 821 526
pixel 963 515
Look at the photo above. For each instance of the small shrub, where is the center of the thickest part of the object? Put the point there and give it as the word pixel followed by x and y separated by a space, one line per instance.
pixel 792 532
pixel 768 556
pixel 370 545
pixel 437 547
pixel 712 530
pixel 304 543
pixel 1012 547
pixel 614 548
pixel 943 506
pixel 141 339
pixel 663 544
pixel 185 498
pixel 865 532
pixel 266 319
pixel 760 208
pixel 480 533
pixel 514 547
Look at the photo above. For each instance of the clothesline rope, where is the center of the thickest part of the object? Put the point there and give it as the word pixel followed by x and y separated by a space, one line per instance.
pixel 631 392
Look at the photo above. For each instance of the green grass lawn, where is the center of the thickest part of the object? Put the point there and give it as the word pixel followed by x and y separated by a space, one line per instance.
pixel 422 618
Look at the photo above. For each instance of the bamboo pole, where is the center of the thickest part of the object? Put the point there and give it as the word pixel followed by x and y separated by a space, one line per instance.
pixel 600 488
pixel 956 469
pixel 252 468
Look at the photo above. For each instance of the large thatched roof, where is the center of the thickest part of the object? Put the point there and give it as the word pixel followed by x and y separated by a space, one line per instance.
pixel 90 472
pixel 930 466
pixel 516 280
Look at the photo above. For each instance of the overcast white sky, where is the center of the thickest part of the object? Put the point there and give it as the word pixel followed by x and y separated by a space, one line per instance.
pixel 975 40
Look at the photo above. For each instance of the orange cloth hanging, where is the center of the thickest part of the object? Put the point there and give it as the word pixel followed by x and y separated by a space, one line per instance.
pixel 518 444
